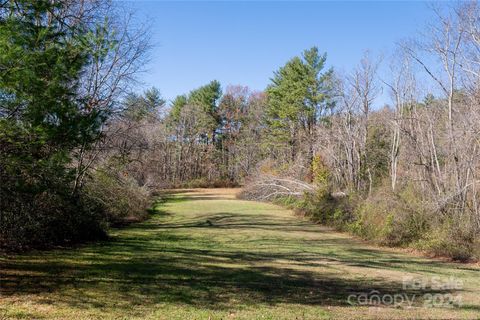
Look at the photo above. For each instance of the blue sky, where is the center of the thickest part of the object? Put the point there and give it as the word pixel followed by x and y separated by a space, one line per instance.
pixel 244 42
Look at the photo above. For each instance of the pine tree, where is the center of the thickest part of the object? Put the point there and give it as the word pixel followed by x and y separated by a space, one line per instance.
pixel 298 98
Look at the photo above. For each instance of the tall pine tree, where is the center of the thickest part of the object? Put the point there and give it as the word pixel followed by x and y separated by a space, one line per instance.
pixel 298 97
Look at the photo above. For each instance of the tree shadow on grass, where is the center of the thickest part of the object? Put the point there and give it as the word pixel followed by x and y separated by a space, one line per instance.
pixel 236 221
pixel 155 263
pixel 353 253
pixel 126 274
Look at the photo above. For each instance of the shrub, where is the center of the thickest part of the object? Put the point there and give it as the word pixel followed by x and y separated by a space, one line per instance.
pixel 53 217
pixel 322 207
pixel 452 238
pixel 400 218
pixel 119 196
pixel 338 210
pixel 204 182
pixel 393 219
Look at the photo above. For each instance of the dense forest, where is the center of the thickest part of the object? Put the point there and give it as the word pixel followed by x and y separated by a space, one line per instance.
pixel 82 148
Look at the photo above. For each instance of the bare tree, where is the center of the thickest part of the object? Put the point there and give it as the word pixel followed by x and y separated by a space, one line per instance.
pixel 119 53
pixel 365 84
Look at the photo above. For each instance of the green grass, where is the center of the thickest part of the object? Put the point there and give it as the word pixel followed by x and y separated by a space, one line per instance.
pixel 205 255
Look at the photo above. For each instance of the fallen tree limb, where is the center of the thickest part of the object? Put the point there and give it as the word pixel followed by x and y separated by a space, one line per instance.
pixel 266 188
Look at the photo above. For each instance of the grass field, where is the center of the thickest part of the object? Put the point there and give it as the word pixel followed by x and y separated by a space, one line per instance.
pixel 206 255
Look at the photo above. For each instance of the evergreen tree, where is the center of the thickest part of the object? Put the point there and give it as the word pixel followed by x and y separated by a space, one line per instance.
pixel 204 102
pixel 139 107
pixel 43 117
pixel 298 98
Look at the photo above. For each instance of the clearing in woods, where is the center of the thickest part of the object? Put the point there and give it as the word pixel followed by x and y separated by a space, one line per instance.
pixel 206 255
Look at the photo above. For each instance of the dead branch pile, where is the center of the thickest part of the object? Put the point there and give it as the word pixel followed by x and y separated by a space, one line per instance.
pixel 268 187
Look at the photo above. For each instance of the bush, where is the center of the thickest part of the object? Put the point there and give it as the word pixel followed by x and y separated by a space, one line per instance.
pixel 49 218
pixel 119 196
pixel 206 183
pixel 322 207
pixel 34 215
pixel 331 210
pixel 394 219
pixel 454 239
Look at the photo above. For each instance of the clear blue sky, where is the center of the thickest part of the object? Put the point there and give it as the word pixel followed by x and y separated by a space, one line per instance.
pixel 244 42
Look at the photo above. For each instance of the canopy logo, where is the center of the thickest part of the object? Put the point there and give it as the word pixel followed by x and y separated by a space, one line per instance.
pixel 416 292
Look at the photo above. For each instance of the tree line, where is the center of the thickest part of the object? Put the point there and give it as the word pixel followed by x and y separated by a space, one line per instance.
pixel 78 142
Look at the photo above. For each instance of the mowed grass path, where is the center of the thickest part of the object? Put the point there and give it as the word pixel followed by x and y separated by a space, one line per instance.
pixel 206 255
